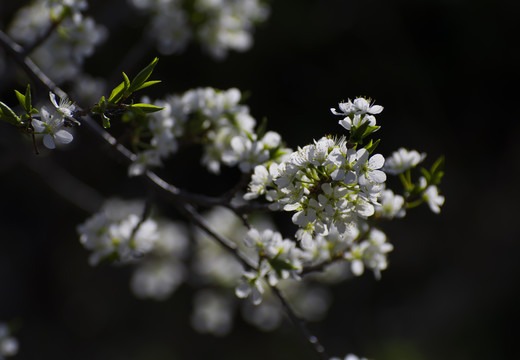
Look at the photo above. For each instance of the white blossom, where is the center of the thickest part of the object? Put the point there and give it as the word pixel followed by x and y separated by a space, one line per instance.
pixel 402 160
pixel 250 286
pixel 227 24
pixel 432 197
pixel 52 127
pixel 157 279
pixel 118 231
pixel 358 107
pixel 62 54
pixel 8 344
pixel 212 313
pixel 391 205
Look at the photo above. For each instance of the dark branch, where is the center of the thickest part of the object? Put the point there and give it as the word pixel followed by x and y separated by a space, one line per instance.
pixel 302 325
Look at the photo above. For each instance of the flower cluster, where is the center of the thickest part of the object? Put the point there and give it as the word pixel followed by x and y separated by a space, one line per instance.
pixel 218 273
pixel 156 247
pixel 213 118
pixel 335 188
pixel 219 25
pixel 326 184
pixel 118 232
pixel 8 344
pixel 402 160
pixel 162 270
pixel 61 55
pixel 278 260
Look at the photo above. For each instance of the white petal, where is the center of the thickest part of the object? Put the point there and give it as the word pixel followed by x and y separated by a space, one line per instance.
pixel 53 99
pixel 376 109
pixel 377 176
pixel 346 123
pixel 243 290
pixel 376 162
pixel 257 296
pixel 39 126
pixel 63 137
pixel 357 267
pixel 48 141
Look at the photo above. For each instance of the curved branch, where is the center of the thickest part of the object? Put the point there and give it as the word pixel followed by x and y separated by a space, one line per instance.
pixel 181 199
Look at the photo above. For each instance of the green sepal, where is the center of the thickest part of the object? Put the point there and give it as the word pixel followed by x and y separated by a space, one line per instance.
pixel 25 118
pixel 143 75
pixel 371 146
pixel 278 153
pixel 280 265
pixel 146 108
pixel 370 129
pixel 358 133
pixel 148 83
pixel 34 111
pixel 7 114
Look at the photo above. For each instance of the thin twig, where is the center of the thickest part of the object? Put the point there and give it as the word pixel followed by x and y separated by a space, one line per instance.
pixel 227 244
pixel 302 325
pixel 124 154
pixel 43 36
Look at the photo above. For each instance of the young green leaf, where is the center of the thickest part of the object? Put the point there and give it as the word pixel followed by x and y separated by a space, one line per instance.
pixel 126 80
pixel 143 75
pixel 21 98
pixel 28 105
pixel 8 115
pixel 117 93
pixel 148 83
pixel 146 108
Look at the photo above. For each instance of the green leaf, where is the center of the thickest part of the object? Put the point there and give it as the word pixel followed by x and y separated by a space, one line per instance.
pixel 100 107
pixel 146 108
pixel 28 105
pixel 21 98
pixel 426 175
pixel 438 165
pixel 148 83
pixel 7 114
pixel 117 93
pixel 126 80
pixel 143 75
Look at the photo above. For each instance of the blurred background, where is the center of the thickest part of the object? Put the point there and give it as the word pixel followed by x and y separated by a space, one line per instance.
pixel 446 72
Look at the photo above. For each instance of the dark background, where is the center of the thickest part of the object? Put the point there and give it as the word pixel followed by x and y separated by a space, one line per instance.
pixel 446 73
